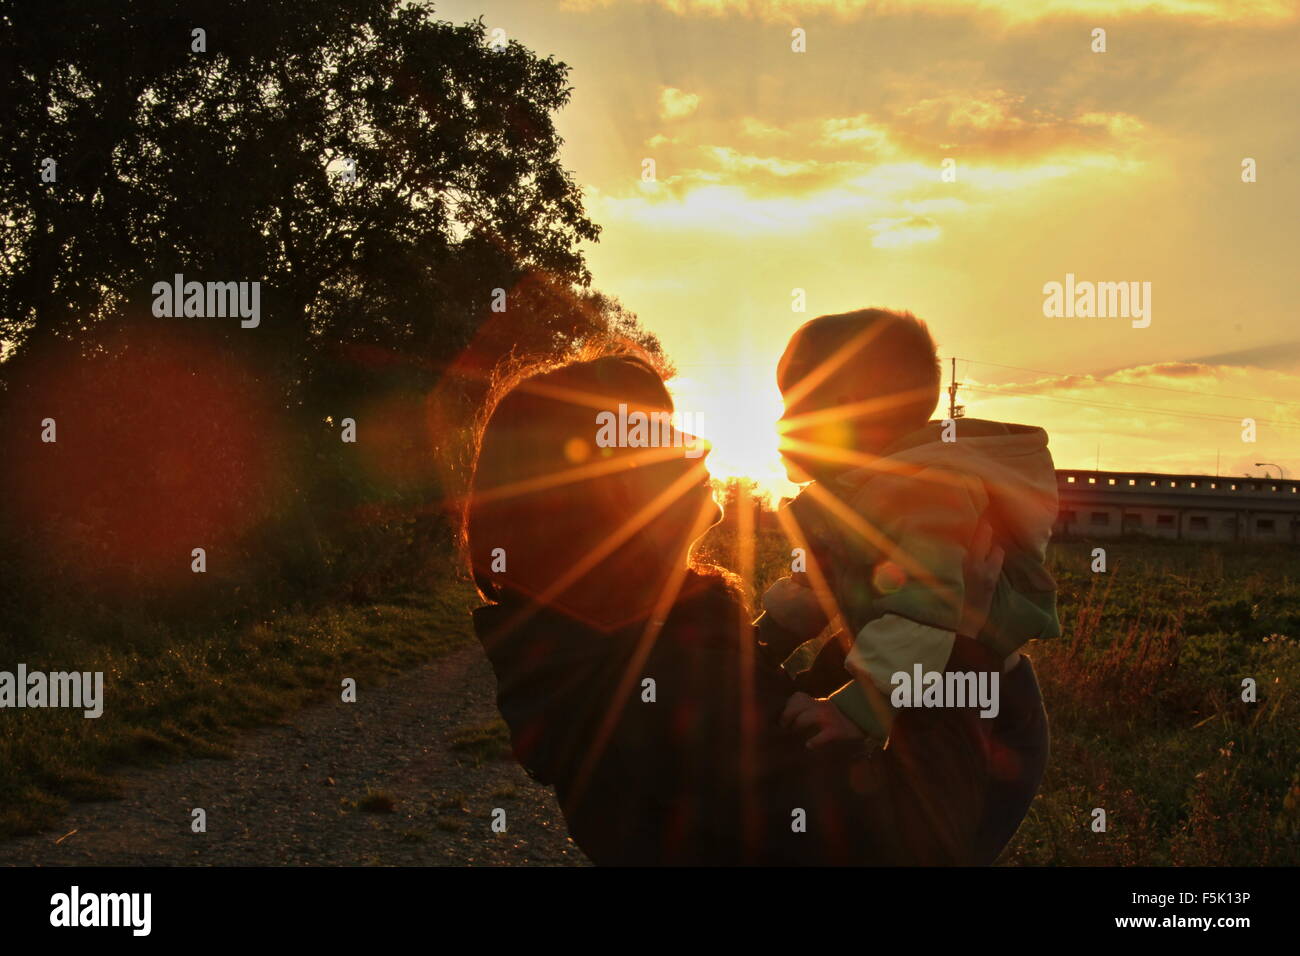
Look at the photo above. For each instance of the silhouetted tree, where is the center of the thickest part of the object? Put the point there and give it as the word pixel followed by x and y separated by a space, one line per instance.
pixel 232 164
pixel 380 172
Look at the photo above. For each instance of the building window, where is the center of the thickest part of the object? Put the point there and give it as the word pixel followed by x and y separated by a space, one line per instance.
pixel 1198 523
pixel 1274 487
pixel 1233 486
pixel 1132 481
pixel 1092 481
pixel 1154 482
pixel 1100 517
pixel 1164 521
pixel 1110 481
pixel 1214 485
pixel 1196 484
pixel 1173 484
pixel 1069 479
pixel 1265 524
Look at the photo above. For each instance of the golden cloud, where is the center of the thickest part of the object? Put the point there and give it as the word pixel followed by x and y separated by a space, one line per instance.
pixel 676 104
pixel 1002 145
pixel 898 233
pixel 1246 12
pixel 901 201
pixel 997 121
pixel 756 129
pixel 1168 416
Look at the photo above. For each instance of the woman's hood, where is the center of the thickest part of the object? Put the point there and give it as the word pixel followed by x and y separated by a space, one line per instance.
pixel 558 679
pixel 1012 462
pixel 550 671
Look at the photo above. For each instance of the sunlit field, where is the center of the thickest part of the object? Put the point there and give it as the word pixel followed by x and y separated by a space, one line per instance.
pixel 1144 696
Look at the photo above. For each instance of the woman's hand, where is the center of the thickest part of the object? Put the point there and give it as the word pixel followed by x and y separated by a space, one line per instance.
pixel 983 567
pixel 820 717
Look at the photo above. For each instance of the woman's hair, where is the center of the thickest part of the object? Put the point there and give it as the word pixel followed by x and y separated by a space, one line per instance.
pixel 539 502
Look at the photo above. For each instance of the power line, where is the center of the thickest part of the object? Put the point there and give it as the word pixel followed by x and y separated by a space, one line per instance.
pixel 1157 388
pixel 1204 416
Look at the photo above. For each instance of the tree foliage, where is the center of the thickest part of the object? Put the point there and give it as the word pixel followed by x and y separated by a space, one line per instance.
pixel 229 164
pixel 233 163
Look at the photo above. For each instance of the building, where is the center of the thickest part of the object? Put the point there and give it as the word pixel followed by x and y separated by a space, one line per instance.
pixel 1185 507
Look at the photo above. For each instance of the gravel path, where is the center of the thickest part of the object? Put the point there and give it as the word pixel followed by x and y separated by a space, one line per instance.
pixel 289 795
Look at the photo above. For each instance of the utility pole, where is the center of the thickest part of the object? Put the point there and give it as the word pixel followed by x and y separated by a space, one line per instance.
pixel 955 411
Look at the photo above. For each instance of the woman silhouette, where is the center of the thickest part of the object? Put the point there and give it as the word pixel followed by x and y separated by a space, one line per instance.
pixel 629 676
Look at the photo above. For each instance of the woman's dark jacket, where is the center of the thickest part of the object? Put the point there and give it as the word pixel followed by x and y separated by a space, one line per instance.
pixel 703 773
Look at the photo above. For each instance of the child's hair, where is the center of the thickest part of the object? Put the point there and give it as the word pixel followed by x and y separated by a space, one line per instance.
pixel 887 355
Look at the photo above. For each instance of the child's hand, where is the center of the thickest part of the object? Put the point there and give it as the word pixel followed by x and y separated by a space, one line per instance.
pixel 821 717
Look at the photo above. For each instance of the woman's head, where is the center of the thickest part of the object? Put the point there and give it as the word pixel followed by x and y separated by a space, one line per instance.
pixel 560 516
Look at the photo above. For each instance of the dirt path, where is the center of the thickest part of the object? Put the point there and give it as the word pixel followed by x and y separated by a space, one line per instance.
pixel 289 796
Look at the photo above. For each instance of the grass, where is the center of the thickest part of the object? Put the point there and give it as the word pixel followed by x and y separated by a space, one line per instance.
pixel 1148 721
pixel 167 697
pixel 483 742
pixel 377 801
pixel 1144 694
pixel 451 801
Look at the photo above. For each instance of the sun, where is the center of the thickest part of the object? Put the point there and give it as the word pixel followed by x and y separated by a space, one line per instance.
pixel 736 409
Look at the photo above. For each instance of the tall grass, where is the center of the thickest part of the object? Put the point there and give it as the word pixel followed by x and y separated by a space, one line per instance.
pixel 1144 694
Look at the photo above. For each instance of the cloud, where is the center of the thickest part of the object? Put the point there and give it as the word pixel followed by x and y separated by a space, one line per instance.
pixel 898 233
pixel 1001 143
pixel 859 131
pixel 1187 390
pixel 753 128
pixel 1169 416
pixel 881 171
pixel 675 104
pixel 735 163
pixel 1278 355
pixel 995 121
pixel 1247 12
pixel 715 208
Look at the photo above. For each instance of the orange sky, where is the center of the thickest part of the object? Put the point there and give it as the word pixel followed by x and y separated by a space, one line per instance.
pixel 821 171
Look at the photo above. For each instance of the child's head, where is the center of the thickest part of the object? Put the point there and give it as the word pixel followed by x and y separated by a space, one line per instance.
pixel 854 383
